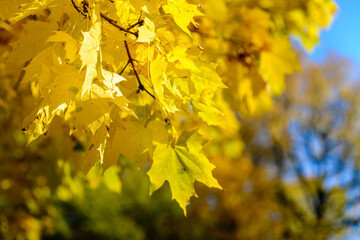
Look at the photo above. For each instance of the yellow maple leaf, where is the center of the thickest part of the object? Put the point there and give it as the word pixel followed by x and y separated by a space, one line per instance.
pixel 147 31
pixel 95 149
pixel 71 45
pixel 158 78
pixel 181 167
pixel 141 140
pixel 90 48
pixel 183 13
pixel 276 63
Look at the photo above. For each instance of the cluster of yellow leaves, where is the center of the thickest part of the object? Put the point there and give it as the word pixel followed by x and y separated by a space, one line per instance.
pixel 138 78
pixel 250 42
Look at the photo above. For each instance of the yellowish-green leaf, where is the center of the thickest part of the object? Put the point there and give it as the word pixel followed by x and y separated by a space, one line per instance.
pixel 112 180
pixel 181 167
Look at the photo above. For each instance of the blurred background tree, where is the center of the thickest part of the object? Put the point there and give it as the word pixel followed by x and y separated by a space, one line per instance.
pixel 295 177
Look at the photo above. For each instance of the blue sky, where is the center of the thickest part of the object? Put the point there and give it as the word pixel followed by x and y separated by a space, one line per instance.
pixel 344 35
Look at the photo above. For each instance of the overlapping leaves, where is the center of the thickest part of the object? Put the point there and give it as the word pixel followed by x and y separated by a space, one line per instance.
pixel 133 78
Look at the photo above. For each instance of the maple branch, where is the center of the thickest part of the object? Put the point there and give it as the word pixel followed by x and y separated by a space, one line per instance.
pixel 141 86
pixel 108 19
pixel 140 22
pixel 114 23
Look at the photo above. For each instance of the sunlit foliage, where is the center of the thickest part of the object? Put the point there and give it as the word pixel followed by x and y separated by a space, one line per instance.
pixel 92 82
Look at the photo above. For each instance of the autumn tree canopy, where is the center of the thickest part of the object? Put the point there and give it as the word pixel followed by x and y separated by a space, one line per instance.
pixel 150 81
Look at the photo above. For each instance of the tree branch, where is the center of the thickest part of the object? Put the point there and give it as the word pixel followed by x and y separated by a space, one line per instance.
pixel 78 9
pixel 140 22
pixel 122 70
pixel 141 86
pixel 136 34
pixel 109 20
pixel 114 23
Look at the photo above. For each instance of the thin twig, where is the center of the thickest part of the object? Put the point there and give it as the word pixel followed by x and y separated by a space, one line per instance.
pixel 114 23
pixel 140 22
pixel 141 86
pixel 77 8
pixel 124 67
pixel 131 61
pixel 109 20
